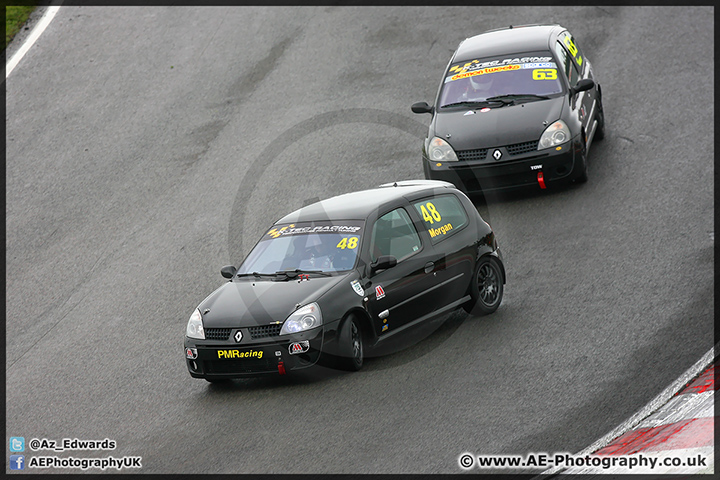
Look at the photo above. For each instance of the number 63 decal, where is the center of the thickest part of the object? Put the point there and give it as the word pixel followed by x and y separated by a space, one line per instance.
pixel 544 74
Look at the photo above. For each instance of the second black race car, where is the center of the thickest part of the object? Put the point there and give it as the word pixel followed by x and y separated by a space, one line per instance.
pixel 516 107
pixel 343 275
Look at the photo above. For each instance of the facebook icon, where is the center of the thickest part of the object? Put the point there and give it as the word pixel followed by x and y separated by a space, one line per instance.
pixel 17 462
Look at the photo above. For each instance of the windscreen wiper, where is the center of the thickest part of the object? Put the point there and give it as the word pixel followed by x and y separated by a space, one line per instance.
pixel 289 274
pixel 510 98
pixel 255 274
pixel 484 103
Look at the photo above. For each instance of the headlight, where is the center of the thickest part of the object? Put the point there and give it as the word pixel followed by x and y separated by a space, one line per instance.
pixel 440 151
pixel 302 319
pixel 554 135
pixel 195 326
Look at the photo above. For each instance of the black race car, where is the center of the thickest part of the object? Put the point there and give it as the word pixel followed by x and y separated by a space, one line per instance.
pixel 343 275
pixel 516 107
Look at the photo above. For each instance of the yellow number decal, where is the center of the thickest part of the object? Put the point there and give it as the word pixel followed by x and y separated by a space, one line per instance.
pixel 544 74
pixel 430 213
pixel 573 50
pixel 433 211
pixel 350 243
pixel 571 46
pixel 425 214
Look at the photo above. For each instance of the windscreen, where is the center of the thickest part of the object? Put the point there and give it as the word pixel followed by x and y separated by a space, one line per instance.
pixel 309 246
pixel 477 80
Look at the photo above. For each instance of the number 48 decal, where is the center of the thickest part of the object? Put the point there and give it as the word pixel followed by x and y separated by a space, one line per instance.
pixel 350 243
pixel 430 214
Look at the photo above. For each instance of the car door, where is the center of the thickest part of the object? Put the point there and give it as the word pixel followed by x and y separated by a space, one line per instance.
pixel 447 224
pixel 399 295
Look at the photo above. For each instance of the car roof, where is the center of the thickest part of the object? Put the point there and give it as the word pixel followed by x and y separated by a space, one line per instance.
pixel 360 205
pixel 514 39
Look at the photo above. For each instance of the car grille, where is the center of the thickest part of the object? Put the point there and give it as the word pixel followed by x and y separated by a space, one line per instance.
pixel 525 147
pixel 481 153
pixel 265 331
pixel 217 333
pixel 262 331
pixel 478 154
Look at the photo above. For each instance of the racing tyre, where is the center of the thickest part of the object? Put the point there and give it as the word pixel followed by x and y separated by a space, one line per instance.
pixel 353 349
pixel 600 130
pixel 486 290
pixel 581 176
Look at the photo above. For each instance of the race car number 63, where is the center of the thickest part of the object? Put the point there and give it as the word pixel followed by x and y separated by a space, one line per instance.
pixel 544 74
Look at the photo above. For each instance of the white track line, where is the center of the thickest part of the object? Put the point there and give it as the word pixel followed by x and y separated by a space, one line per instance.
pixel 34 35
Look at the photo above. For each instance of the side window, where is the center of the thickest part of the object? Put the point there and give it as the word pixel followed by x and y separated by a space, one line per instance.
pixel 568 66
pixel 442 216
pixel 572 47
pixel 394 234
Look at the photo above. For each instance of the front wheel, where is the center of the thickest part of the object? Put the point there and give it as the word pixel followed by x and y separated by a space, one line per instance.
pixel 486 291
pixel 582 176
pixel 353 349
pixel 600 129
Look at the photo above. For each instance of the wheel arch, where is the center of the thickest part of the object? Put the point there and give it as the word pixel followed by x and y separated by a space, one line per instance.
pixel 486 251
pixel 499 262
pixel 363 318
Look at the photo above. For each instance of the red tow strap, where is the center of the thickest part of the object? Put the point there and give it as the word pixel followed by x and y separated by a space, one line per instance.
pixel 541 180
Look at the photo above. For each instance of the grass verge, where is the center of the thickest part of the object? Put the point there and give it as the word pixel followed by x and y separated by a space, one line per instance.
pixel 15 17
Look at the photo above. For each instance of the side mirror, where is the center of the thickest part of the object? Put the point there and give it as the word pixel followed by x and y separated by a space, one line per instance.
pixel 228 272
pixel 383 263
pixel 421 107
pixel 581 86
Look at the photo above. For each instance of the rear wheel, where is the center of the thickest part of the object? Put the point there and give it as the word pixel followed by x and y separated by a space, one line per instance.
pixel 486 291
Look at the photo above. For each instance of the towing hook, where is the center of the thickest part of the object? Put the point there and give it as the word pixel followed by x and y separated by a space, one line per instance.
pixel 541 180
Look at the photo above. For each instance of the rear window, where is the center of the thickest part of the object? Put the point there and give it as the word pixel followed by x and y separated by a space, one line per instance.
pixel 477 80
pixel 442 215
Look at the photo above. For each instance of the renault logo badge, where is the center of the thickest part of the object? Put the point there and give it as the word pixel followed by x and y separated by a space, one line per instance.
pixel 238 336
pixel 497 154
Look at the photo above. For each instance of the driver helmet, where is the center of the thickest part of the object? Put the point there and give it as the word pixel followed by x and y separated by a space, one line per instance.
pixel 481 83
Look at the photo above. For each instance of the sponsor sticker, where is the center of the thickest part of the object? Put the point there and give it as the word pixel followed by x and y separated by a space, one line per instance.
pixel 240 354
pixel 379 292
pixel 299 347
pixel 293 230
pixel 357 288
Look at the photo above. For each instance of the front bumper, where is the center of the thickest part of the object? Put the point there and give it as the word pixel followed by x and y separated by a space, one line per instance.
pixel 511 171
pixel 271 356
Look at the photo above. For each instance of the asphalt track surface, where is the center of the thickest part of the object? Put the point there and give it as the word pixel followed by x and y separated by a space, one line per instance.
pixel 148 147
